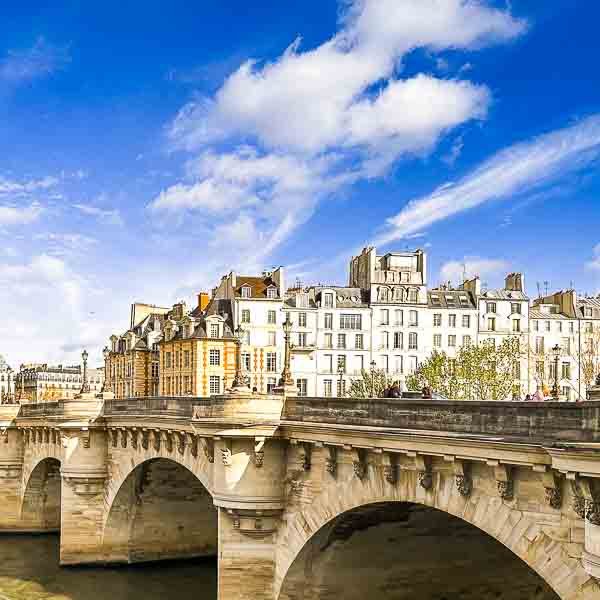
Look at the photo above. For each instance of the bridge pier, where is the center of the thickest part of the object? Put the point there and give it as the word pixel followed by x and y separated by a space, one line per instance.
pixel 11 480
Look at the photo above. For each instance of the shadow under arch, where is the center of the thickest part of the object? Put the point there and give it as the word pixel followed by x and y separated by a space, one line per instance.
pixel 161 511
pixel 41 505
pixel 403 550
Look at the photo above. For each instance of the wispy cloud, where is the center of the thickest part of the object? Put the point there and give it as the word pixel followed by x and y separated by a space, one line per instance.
pixel 594 263
pixel 520 168
pixel 20 215
pixel 104 216
pixel 471 266
pixel 40 60
pixel 8 186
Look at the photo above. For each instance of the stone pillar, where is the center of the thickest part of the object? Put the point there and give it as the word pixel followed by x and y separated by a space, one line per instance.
pixel 11 481
pixel 82 495
pixel 249 492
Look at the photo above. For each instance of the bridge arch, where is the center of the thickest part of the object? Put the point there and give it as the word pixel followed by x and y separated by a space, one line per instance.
pixel 159 509
pixel 502 521
pixel 41 499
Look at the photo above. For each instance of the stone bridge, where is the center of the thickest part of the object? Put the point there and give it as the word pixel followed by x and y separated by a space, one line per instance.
pixel 318 498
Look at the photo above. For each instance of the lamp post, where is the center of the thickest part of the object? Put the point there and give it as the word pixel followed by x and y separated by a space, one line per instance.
pixel 85 386
pixel 373 367
pixel 238 381
pixel 286 375
pixel 341 371
pixel 9 395
pixel 556 350
pixel 106 354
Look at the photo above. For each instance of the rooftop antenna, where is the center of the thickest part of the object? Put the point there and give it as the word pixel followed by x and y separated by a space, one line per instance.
pixel 298 283
pixel 539 289
pixel 571 284
pixel 464 266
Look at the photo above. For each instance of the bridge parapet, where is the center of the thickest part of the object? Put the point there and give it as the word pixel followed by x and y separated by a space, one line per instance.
pixel 533 422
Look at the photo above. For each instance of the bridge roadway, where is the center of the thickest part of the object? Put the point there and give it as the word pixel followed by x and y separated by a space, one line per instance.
pixel 271 485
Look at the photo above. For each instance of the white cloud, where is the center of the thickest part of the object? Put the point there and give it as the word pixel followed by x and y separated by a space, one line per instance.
pixel 594 263
pixel 41 60
pixel 314 120
pixel 514 170
pixel 16 215
pixel 455 270
pixel 8 186
pixel 104 216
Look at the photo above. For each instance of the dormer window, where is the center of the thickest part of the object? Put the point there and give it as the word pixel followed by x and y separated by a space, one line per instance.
pixel 246 291
pixel 328 300
pixel 214 330
pixel 272 292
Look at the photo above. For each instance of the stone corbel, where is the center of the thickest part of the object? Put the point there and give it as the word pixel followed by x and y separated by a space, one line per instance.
pixel 552 483
pixel 259 452
pixel 4 435
pixel 114 437
pixel 462 477
pixel 331 460
pixel 134 433
pixel 390 467
pixel 303 454
pixel 145 439
pixel 123 433
pixel 359 463
pixel 85 486
pixel 227 454
pixel 167 439
pixel 504 481
pixel 255 524
pixel 181 440
pixel 46 435
pixel 192 441
pixel 155 439
pixel 587 494
pixel 208 447
pixel 424 473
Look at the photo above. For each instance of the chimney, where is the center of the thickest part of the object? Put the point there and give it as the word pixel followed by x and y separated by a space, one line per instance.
pixel 514 282
pixel 203 300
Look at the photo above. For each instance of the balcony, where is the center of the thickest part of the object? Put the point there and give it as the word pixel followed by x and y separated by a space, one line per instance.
pixel 305 349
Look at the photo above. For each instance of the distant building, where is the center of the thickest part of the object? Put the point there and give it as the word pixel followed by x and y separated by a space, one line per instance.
pixel 46 383
pixel 6 381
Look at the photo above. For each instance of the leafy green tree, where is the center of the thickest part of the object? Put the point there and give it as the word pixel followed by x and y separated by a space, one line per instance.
pixel 480 372
pixel 370 384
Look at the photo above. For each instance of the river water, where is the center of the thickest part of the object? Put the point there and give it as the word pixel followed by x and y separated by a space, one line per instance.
pixel 29 570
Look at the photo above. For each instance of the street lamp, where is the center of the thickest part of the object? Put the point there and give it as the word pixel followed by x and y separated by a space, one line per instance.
pixel 373 367
pixel 556 350
pixel 341 371
pixel 286 375
pixel 238 381
pixel 85 386
pixel 106 354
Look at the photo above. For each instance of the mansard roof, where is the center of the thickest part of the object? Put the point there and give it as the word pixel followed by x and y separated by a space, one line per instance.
pixel 501 294
pixel 258 286
pixel 451 299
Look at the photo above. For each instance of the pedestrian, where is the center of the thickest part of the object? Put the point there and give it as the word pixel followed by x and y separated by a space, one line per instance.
pixel 528 398
pixel 539 395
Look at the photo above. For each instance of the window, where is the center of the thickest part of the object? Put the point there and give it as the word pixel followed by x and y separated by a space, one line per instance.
pixel 341 363
pixel 547 323
pixel 186 385
pixel 413 295
pixel 589 327
pixel 516 325
pixel 167 360
pixel 328 300
pixel 245 359
pixel 341 340
pixel 272 292
pixel 272 338
pixel 492 323
pixel 214 384
pixel 515 308
pixel 359 341
pixel 186 358
pixel 536 325
pixel 271 384
pixel 385 363
pixel 271 362
pixel 571 327
pixel 246 337
pixel 398 364
pixel 272 317
pixel 214 357
pixel 466 340
pixel 385 339
pixel 302 319
pixel 328 340
pixel 351 321
pixel 399 318
pixel 328 358
pixel 452 320
pixel 566 345
pixel 437 320
pixel 412 364
pixel 302 340
pixel 539 369
pixel 154 369
pixel 327 388
pixel 245 316
pixel 566 370
pixel 539 345
pixel 359 360
pixel 177 362
pixel 437 340
pixel 214 330
pixel 302 385
pixel 398 340
pixel 452 341
pixel 559 326
pixel 341 388
pixel 566 392
pixel 413 341
pixel 385 316
pixel 246 291
pixel 490 307
pixel 413 318
pixel 466 320
pixel 328 321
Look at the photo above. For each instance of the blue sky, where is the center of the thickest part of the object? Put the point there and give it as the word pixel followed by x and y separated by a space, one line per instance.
pixel 148 148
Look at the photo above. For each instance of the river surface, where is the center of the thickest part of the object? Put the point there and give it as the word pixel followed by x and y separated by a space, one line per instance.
pixel 29 571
